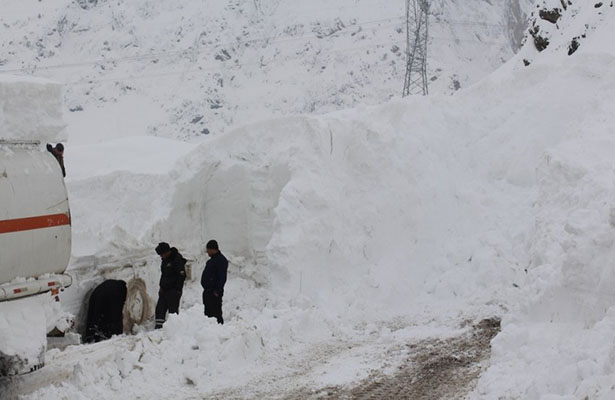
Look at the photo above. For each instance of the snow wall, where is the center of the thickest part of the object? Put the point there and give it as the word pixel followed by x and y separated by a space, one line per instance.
pixel 567 319
pixel 430 197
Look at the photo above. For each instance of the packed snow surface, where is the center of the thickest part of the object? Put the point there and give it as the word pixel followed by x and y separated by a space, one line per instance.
pixel 358 231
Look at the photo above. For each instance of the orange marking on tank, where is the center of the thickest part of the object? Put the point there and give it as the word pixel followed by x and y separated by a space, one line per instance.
pixel 31 223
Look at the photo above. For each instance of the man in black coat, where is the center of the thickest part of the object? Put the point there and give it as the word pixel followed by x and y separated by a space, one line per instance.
pixel 172 276
pixel 213 280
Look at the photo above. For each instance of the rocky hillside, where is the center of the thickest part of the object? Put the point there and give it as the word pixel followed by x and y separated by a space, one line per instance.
pixel 561 26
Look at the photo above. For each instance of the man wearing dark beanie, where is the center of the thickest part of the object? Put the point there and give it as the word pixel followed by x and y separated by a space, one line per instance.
pixel 213 280
pixel 172 276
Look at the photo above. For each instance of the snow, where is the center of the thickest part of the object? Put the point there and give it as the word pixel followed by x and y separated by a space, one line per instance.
pixel 187 69
pixel 567 317
pixel 23 334
pixel 354 233
pixel 135 154
pixel 101 125
pixel 30 109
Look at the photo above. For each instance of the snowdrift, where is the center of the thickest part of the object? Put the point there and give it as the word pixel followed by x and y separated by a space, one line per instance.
pixel 567 317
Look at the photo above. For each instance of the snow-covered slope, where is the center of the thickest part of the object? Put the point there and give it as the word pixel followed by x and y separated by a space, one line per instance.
pixel 187 68
pixel 558 344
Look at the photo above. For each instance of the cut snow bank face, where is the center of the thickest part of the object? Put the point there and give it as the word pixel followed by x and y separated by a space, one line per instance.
pixel 30 109
pixel 359 210
pixel 119 189
pixel 423 198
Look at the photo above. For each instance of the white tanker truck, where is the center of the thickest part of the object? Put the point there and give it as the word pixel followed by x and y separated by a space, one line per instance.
pixel 35 249
pixel 35 245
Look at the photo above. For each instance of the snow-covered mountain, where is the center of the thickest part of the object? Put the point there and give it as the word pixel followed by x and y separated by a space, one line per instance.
pixel 187 68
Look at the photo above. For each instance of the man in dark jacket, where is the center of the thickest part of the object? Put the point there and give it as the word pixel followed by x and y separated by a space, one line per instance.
pixel 213 280
pixel 58 153
pixel 172 276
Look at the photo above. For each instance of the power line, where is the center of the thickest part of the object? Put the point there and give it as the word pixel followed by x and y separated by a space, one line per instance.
pixel 468 22
pixel 466 40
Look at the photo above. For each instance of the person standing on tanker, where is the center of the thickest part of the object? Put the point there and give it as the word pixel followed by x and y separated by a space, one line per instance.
pixel 213 280
pixel 172 276
pixel 58 153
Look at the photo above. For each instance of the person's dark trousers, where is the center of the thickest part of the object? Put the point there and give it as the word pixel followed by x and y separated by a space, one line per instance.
pixel 213 306
pixel 168 300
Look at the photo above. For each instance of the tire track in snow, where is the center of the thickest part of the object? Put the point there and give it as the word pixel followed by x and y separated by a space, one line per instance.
pixel 436 370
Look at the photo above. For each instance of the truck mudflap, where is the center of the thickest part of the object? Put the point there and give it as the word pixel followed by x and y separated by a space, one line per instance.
pixel 17 290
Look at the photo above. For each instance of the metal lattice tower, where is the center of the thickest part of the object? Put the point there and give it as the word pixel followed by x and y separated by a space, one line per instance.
pixel 417 17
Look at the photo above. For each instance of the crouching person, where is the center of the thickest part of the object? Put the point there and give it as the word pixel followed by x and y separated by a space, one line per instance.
pixel 172 276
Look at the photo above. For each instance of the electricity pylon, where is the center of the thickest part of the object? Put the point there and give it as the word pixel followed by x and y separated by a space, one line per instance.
pixel 417 18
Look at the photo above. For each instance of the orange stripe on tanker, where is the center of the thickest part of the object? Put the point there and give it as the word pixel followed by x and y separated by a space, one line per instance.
pixel 31 223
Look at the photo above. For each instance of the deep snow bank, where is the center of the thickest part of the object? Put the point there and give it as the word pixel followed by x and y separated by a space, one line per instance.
pixel 323 209
pixel 567 319
pixel 123 185
pixel 423 197
pixel 30 109
pixel 418 206
pixel 418 198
